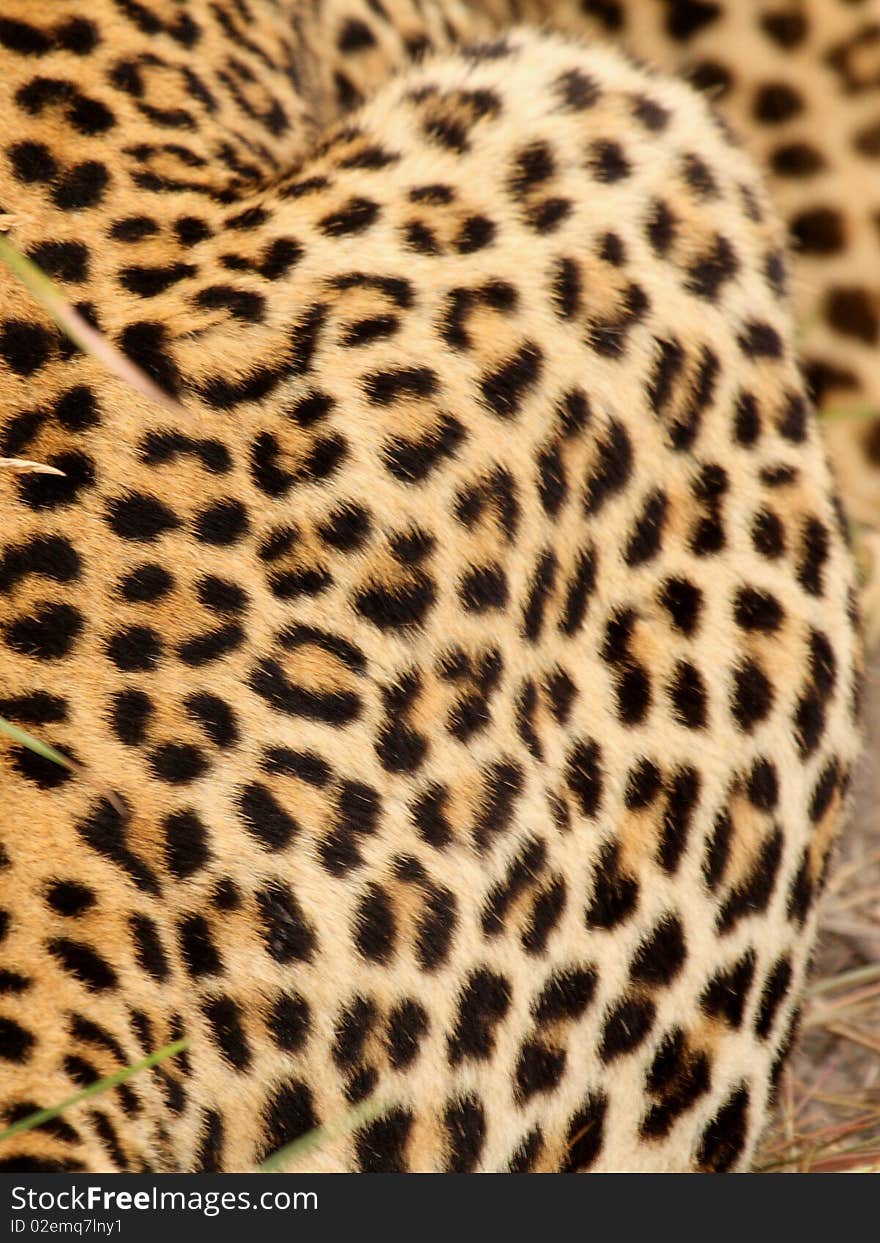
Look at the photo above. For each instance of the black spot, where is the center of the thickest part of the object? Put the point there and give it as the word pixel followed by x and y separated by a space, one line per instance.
pixel 225 895
pixel 146 584
pixel 147 282
pixel 796 159
pixel 149 953
pixel 484 588
pixel 133 228
pixel 69 898
pixel 567 288
pixel 375 931
pixel 547 909
pixel 793 422
pixel 265 818
pixel 145 343
pixel 215 717
pixel 724 1139
pixel 104 831
pixel 708 273
pixel 11 982
pixel 482 1004
pixel 65 261
pixel 526 1154
pixel 757 610
pixel 289 1021
pixel 135 649
pixel 580 588
pixel 752 696
pixel 683 600
pixel 533 165
pixel 809 722
pixel 81 187
pixel 768 534
pixel 763 785
pixel 381 1146
pixel 774 992
pixel 466 1132
pixel 429 817
pixel 776 102
pixel 50 633
pixel 407 1023
pixel 577 90
pixel 140 517
pixel 818 231
pixel 645 538
pixel 25 347
pixel 303 764
pixel 686 18
pixel 539 1068
pixel 787 28
pixel 681 800
pixel 612 469
pixel 39 491
pixel 186 843
pixel 752 895
pixel 584 776
pixel 687 692
pixel 626 1026
pixel 660 227
pixel 209 1159
pixel 608 162
pixel 197 947
pixel 83 963
pixel 288 1116
pixel 760 340
pixel 222 596
pixel 615 894
pixel 412 460
pixel 585 1134
pixel 802 892
pixel 476 233
pixel 224 522
pixel 385 387
pixel 286 933
pixel 726 994
pixel 644 783
pixel 505 388
pixel 824 791
pixel 354 217
pixel 178 763
pixel 16 1042
pixel 566 995
pixel 853 312
pixel 661 955
pixel 244 304
pixel 211 645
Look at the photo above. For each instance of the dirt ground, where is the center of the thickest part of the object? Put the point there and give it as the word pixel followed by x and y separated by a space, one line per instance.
pixel 828 1114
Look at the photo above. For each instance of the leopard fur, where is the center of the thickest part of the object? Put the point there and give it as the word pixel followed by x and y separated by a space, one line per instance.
pixel 465 671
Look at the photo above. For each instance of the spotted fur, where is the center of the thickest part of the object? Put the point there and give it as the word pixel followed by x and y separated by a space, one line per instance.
pixel 472 657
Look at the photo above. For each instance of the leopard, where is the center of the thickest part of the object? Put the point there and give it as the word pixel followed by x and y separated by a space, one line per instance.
pixel 456 652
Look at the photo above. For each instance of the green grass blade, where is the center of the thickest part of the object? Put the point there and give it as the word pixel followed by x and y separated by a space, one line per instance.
pixel 292 1153
pixel 849 414
pixel 33 744
pixel 94 1089
pixel 78 329
pixel 21 736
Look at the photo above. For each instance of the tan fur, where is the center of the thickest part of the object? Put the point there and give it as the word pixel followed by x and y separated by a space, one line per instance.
pixel 379 404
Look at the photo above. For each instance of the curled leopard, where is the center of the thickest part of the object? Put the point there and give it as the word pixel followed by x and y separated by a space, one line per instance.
pixel 461 664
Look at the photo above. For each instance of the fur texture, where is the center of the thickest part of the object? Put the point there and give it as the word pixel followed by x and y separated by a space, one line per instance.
pixel 473 661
